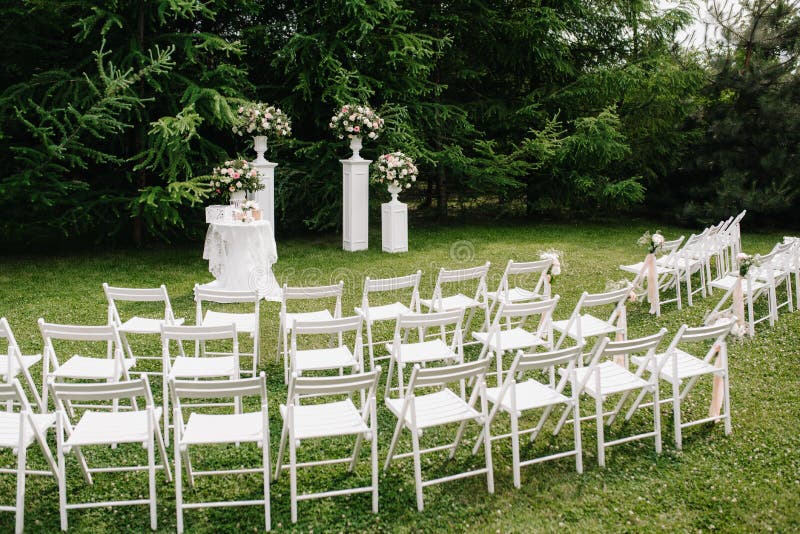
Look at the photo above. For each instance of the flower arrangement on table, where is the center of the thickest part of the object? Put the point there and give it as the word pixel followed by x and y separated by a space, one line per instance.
pixel 555 255
pixel 654 242
pixel 234 176
pixel 356 121
pixel 257 118
pixel 395 170
pixel 746 261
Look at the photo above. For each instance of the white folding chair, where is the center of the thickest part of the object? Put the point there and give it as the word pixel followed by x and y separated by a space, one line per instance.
pixel 667 270
pixel 375 313
pixel 458 280
pixel 110 368
pixel 522 282
pixel 442 407
pixel 333 415
pixel 18 430
pixel 403 352
pixel 137 325
pixel 246 322
pixel 104 429
pixel 337 355
pixel 794 264
pixel 515 397
pixel 13 362
pixel 580 326
pixel 217 429
pixel 525 325
pixel 604 378
pixel 206 365
pixel 307 294
pixel 676 366
pixel 784 262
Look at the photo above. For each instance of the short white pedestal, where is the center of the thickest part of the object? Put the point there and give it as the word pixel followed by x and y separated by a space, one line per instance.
pixel 394 226
pixel 266 196
pixel 355 204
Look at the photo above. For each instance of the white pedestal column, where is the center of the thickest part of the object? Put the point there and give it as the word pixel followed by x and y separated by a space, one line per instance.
pixel 266 196
pixel 394 226
pixel 355 204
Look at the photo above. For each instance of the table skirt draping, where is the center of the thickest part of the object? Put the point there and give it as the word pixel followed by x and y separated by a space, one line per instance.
pixel 240 256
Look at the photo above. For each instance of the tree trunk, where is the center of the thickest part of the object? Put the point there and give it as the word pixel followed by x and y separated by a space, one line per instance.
pixel 442 200
pixel 141 176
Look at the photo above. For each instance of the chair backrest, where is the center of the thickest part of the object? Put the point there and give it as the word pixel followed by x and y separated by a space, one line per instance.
pixel 385 285
pixel 224 296
pixel 448 323
pixel 517 269
pixel 698 334
pixel 460 276
pixel 219 389
pixel 634 346
pixel 322 386
pixel 107 334
pixel 198 333
pixel 131 294
pixel 449 374
pixel 544 360
pixel 517 314
pixel 101 391
pixel 615 296
pixel 333 291
pixel 12 391
pixel 331 326
pixel 13 349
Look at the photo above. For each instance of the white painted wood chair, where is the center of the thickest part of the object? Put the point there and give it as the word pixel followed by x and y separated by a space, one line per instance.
pixel 420 411
pixel 581 325
pixel 18 431
pixel 604 378
pixel 373 313
pixel 248 323
pixel 668 271
pixel 337 355
pixel 13 363
pixel 676 366
pixel 446 348
pixel 516 397
pixel 206 365
pixel 334 414
pixel 448 295
pixel 136 325
pixel 312 294
pixel 522 282
pixel 203 429
pixel 108 429
pixel 524 325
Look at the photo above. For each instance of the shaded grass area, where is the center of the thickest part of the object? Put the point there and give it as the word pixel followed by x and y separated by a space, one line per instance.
pixel 744 482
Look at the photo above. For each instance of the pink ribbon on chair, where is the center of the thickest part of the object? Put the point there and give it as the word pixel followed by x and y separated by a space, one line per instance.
pixel 716 390
pixel 652 282
pixel 738 301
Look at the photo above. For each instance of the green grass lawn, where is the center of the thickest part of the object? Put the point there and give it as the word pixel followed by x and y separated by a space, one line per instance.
pixel 748 481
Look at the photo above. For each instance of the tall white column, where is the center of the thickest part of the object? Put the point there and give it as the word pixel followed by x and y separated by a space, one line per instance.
pixel 355 203
pixel 266 196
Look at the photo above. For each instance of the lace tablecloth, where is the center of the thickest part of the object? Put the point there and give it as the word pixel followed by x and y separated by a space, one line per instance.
pixel 241 255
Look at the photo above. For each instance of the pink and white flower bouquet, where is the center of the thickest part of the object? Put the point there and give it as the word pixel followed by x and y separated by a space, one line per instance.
pixel 257 118
pixel 356 121
pixel 234 175
pixel 395 169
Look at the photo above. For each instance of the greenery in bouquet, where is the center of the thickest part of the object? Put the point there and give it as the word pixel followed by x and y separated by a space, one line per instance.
pixel 354 121
pixel 234 175
pixel 394 169
pixel 746 261
pixel 257 118
pixel 654 242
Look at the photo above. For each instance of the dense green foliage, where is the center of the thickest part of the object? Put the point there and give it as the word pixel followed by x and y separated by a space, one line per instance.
pixel 745 482
pixel 110 111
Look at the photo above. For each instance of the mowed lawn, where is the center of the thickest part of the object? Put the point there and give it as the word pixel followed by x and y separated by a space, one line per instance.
pixel 748 481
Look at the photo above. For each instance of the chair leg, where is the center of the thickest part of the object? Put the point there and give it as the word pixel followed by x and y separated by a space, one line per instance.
pixel 20 513
pixel 151 473
pixel 487 443
pixel 62 484
pixel 389 377
pixel 577 431
pixel 281 450
pixel 417 468
pixel 601 443
pixel 727 402
pixel 266 474
pixel 515 450
pixel 395 437
pixel 374 447
pixel 657 416
pixel 178 483
pixel 676 413
pixel 293 474
pixel 370 347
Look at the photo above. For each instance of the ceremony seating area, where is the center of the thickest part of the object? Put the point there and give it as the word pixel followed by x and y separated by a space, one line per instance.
pixel 462 350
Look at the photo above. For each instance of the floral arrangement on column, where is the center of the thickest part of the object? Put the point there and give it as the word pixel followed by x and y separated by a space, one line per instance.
pixel 395 170
pixel 353 121
pixel 258 118
pixel 233 177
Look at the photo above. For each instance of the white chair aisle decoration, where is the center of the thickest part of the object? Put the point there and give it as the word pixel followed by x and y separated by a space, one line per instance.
pixel 446 347
pixel 517 283
pixel 336 355
pixel 373 313
pixel 604 377
pixel 332 414
pixel 676 366
pixel 108 429
pixel 658 273
pixel 218 364
pixel 18 431
pixel 203 429
pixel 581 325
pixel 136 325
pixel 418 412
pixel 331 295
pixel 448 294
pixel 525 325
pixel 111 367
pixel 515 397
pixel 13 362
pixel 246 322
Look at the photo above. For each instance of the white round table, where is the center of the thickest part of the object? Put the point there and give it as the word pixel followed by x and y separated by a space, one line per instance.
pixel 240 256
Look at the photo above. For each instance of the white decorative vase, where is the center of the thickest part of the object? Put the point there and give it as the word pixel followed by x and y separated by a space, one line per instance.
pixel 260 146
pixel 238 198
pixel 394 190
pixel 355 146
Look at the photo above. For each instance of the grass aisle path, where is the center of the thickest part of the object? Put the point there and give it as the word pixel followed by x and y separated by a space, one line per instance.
pixel 749 481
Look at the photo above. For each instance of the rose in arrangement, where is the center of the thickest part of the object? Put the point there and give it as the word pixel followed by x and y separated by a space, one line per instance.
pixel 654 242
pixel 257 118
pixel 555 255
pixel 356 121
pixel 746 261
pixel 234 175
pixel 395 169
pixel 250 205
